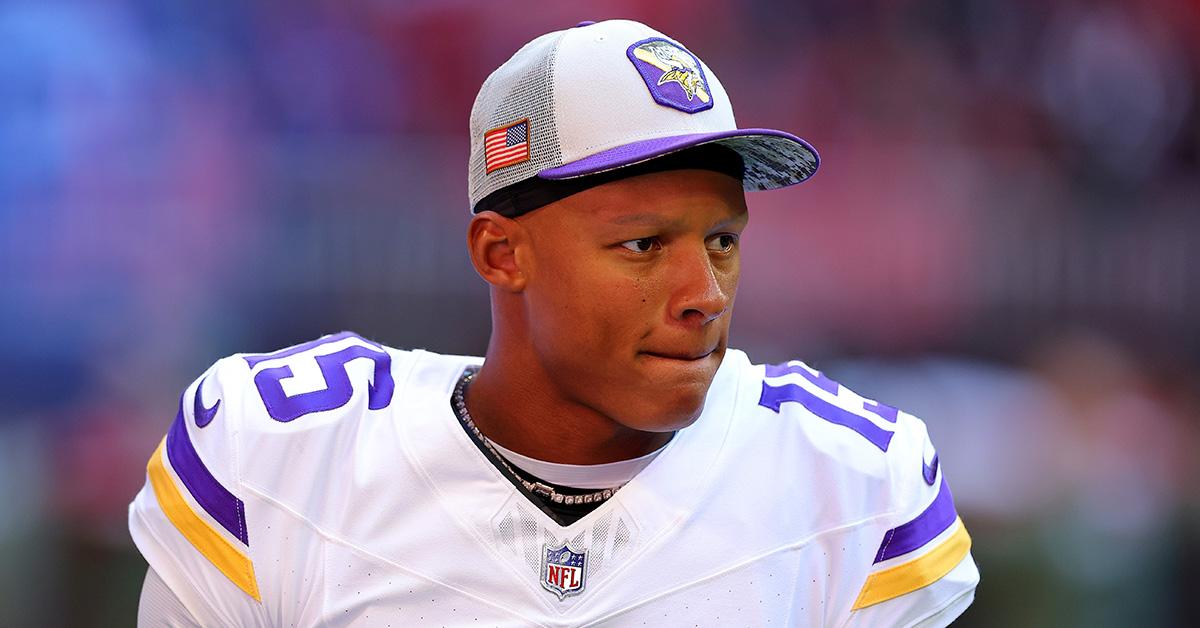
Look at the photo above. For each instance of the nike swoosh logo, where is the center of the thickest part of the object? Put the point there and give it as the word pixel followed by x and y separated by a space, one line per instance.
pixel 203 415
pixel 929 470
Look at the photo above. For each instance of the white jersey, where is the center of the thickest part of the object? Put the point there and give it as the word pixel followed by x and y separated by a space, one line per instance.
pixel 332 484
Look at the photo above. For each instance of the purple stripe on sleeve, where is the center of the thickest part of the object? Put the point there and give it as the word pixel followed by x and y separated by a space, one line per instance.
pixel 214 498
pixel 824 383
pixel 916 533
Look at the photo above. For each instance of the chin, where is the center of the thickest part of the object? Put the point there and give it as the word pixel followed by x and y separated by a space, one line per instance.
pixel 670 414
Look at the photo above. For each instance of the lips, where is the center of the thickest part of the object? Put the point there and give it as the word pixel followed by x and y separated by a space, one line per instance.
pixel 689 356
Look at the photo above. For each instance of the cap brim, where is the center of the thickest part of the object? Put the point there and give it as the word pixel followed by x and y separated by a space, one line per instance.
pixel 773 159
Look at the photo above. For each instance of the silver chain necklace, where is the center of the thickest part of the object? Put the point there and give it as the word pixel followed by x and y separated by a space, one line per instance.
pixel 538 488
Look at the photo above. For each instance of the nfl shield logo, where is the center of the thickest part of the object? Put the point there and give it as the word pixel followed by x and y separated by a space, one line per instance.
pixel 564 572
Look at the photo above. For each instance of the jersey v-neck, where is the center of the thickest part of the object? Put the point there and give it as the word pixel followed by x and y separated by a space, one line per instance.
pixel 511 528
pixel 474 489
pixel 587 477
pixel 562 514
pixel 564 479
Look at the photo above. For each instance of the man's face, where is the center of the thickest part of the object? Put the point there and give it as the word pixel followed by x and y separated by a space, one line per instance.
pixel 630 288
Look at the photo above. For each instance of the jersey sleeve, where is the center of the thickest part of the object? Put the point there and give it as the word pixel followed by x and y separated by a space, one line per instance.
pixel 159 606
pixel 922 573
pixel 189 519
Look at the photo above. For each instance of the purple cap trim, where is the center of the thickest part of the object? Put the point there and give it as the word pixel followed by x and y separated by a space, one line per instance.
pixel 773 158
pixel 215 499
pixel 916 533
pixel 584 23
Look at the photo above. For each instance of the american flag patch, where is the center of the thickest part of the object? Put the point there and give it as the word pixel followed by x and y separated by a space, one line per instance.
pixel 506 145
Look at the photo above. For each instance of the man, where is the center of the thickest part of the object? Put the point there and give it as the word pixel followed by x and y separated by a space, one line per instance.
pixel 612 461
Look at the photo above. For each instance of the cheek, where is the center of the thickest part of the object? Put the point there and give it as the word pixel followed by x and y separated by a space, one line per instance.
pixel 590 306
pixel 729 280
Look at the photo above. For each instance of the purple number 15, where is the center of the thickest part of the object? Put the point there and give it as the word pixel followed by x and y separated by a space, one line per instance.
pixel 338 389
pixel 774 396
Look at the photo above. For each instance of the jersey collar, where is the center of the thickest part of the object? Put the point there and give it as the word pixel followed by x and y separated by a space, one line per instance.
pixel 473 490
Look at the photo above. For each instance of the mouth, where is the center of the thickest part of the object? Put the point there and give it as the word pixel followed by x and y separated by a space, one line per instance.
pixel 682 356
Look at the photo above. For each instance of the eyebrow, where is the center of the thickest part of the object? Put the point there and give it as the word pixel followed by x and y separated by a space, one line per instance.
pixel 740 219
pixel 654 220
pixel 643 218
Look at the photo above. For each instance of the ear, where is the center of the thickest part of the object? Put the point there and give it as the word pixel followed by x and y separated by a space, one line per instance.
pixel 493 242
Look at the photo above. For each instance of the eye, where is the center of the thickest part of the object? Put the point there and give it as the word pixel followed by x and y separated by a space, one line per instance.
pixel 642 245
pixel 722 243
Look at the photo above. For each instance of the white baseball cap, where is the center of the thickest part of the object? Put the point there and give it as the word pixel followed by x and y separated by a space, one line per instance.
pixel 605 95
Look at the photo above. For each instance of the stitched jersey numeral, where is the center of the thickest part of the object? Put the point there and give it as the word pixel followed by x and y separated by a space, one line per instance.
pixel 338 389
pixel 775 395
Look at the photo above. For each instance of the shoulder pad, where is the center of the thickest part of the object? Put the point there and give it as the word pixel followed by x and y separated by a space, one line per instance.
pixel 196 478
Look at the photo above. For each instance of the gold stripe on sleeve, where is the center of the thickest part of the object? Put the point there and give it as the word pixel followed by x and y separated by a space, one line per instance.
pixel 221 553
pixel 914 574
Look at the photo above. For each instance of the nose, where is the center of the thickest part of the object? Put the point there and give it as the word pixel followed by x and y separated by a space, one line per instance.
pixel 703 290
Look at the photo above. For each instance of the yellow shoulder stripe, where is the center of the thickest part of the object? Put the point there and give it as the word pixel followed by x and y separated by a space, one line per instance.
pixel 221 553
pixel 919 572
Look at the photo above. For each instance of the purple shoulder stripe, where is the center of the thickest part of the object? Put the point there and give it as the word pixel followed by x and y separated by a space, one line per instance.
pixel 214 498
pixel 916 533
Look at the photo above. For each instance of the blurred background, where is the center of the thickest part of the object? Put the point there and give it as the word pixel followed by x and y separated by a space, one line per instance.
pixel 1004 238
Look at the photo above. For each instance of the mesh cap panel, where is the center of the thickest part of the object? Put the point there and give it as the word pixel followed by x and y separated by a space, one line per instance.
pixel 529 77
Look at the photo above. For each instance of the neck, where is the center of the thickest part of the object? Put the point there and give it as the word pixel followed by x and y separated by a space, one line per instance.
pixel 515 403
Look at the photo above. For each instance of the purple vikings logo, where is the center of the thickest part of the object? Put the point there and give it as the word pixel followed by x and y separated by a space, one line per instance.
pixel 673 75
pixel 564 572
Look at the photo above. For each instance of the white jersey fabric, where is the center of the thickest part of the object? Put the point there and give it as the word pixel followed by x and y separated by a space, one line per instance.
pixel 159 606
pixel 585 476
pixel 332 484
